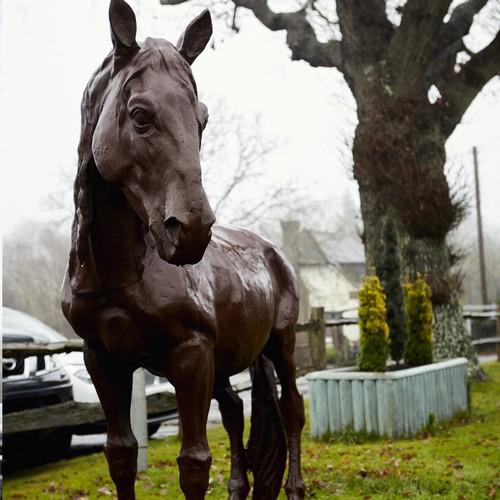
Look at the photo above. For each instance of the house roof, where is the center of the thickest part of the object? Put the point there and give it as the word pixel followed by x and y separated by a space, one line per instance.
pixel 346 250
pixel 315 247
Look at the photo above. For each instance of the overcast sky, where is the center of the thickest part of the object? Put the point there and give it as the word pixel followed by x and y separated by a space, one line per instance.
pixel 50 48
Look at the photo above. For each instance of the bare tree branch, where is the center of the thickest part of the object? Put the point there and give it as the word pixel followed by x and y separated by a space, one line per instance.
pixel 449 42
pixel 321 14
pixel 269 202
pixel 365 28
pixel 300 38
pixel 460 22
pixel 411 47
pixel 235 159
pixel 459 89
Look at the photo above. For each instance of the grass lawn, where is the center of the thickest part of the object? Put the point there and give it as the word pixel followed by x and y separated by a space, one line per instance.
pixel 456 462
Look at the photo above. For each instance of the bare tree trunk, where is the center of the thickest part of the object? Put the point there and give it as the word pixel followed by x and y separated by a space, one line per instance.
pixel 387 179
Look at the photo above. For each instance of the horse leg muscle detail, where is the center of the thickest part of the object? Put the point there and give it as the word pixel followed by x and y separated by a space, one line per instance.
pixel 280 350
pixel 231 409
pixel 191 371
pixel 112 378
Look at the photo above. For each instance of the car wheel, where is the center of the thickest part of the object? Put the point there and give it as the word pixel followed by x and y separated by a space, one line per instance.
pixel 28 449
pixel 153 428
pixel 56 445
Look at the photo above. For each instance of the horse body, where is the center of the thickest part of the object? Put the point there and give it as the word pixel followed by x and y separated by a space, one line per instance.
pixel 241 291
pixel 140 212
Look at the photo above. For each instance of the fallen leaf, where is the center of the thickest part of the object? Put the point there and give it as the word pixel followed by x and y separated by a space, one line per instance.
pixel 104 491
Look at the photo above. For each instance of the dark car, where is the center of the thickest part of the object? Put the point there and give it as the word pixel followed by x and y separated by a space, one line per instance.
pixel 40 381
pixel 33 382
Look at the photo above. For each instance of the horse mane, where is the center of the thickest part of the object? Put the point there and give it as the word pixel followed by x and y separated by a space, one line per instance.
pixel 81 259
pixel 83 272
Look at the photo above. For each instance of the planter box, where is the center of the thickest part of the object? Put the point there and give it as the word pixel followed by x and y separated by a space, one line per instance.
pixel 392 404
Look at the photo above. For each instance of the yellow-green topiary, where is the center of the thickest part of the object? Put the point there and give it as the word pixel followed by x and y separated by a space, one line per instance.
pixel 374 331
pixel 418 307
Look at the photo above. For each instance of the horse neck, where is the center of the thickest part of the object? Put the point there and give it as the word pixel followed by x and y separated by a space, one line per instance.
pixel 117 237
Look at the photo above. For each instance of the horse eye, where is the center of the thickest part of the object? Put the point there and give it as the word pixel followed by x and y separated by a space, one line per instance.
pixel 141 118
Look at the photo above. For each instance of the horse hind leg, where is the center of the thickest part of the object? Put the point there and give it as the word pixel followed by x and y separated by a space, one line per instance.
pixel 280 350
pixel 231 409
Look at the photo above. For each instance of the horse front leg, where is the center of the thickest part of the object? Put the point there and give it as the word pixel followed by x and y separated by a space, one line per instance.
pixel 191 371
pixel 112 378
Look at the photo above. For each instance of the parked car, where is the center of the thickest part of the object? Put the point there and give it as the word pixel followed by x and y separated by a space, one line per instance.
pixel 33 382
pixel 38 381
pixel 84 392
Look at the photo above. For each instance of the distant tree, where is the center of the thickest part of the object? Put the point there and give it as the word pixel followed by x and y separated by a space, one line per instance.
pixel 413 77
pixel 465 240
pixel 34 263
pixel 236 162
pixel 389 270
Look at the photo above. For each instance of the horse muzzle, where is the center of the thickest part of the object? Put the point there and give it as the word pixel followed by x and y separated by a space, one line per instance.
pixel 180 244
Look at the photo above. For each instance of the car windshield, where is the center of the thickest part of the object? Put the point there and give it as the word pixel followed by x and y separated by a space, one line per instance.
pixel 17 323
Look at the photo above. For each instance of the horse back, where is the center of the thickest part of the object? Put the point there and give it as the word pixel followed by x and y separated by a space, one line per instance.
pixel 260 266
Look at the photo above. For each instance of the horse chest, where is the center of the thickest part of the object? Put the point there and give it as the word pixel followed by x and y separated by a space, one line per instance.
pixel 119 331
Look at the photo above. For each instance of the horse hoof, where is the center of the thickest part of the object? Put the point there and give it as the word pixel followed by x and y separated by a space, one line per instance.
pixel 295 492
pixel 237 495
pixel 238 490
pixel 296 495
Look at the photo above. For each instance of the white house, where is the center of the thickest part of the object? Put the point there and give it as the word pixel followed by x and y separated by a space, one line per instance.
pixel 329 271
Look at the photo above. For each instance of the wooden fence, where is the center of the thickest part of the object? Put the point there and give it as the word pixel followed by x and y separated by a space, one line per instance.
pixel 310 349
pixel 310 355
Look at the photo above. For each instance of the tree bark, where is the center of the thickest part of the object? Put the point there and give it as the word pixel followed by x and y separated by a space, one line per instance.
pixel 399 166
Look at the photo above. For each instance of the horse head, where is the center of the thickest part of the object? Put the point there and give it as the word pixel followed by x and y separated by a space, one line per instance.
pixel 141 132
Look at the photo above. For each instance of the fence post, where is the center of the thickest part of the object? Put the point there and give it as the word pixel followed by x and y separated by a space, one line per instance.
pixel 498 331
pixel 139 418
pixel 317 338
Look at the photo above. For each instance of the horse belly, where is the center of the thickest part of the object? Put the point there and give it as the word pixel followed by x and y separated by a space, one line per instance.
pixel 243 329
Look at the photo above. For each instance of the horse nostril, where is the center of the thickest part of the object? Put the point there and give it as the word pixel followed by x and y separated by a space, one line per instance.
pixel 173 229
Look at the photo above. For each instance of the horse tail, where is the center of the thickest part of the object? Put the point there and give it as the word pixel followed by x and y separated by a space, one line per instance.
pixel 267 445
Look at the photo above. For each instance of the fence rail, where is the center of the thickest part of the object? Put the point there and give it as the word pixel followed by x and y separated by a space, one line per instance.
pixel 72 414
pixel 310 354
pixel 25 349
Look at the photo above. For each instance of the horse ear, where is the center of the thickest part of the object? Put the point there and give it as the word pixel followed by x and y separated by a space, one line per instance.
pixel 195 37
pixel 123 28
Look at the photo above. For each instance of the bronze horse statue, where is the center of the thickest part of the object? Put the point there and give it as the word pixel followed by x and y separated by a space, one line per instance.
pixel 148 283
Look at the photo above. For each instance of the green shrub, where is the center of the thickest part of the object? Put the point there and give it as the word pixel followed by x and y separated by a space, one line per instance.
pixel 418 308
pixel 373 328
pixel 389 272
